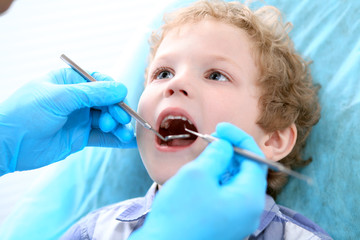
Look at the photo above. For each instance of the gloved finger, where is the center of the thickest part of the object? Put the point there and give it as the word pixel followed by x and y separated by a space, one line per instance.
pixel 90 95
pixel 116 112
pixel 98 138
pixel 119 114
pixel 237 137
pixel 65 76
pixel 248 187
pixel 251 176
pixel 70 76
pixel 106 122
pixel 101 77
pixel 125 133
pixel 103 120
pixel 215 158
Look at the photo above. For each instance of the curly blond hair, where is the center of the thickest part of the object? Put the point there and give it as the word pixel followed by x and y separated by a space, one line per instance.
pixel 288 94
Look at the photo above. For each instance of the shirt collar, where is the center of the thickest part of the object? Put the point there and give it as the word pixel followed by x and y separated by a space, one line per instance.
pixel 270 211
pixel 138 207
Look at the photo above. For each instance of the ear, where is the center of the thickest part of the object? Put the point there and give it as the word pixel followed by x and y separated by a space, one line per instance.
pixel 278 144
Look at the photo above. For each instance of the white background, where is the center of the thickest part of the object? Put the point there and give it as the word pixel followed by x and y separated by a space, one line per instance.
pixel 34 33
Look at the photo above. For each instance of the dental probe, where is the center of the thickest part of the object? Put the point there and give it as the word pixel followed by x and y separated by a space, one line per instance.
pixel 243 152
pixel 123 105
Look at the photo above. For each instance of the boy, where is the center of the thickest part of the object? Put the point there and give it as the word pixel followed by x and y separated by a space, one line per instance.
pixel 218 62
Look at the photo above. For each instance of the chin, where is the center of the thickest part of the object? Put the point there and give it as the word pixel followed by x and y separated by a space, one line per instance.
pixel 165 170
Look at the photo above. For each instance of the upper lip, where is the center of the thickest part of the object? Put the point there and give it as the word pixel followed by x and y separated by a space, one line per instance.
pixel 173 112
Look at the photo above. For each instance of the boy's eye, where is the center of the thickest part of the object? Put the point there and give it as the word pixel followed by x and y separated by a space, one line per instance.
pixel 165 74
pixel 218 77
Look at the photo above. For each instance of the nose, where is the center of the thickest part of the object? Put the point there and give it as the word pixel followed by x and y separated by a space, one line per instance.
pixel 178 85
pixel 170 92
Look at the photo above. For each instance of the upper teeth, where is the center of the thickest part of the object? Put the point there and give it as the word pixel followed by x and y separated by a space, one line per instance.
pixel 165 123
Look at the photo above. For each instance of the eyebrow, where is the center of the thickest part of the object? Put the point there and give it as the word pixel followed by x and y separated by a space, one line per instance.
pixel 224 59
pixel 168 57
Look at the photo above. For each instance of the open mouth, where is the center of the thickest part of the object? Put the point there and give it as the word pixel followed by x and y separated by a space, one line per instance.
pixel 175 125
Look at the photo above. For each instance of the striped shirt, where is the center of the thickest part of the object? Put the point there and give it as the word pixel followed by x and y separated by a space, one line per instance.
pixel 119 220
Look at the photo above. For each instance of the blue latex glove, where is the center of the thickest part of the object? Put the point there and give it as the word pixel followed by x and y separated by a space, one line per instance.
pixel 194 205
pixel 46 120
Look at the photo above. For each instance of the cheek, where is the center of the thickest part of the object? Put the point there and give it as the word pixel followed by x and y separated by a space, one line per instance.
pixel 239 109
pixel 144 111
pixel 146 106
pixel 149 99
pixel 143 102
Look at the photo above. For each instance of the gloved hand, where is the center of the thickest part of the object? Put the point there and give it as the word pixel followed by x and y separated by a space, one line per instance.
pixel 194 205
pixel 47 120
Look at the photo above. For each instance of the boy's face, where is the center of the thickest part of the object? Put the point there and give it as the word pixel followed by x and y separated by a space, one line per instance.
pixel 202 74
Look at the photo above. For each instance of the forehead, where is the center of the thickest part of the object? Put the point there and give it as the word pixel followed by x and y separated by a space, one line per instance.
pixel 210 39
pixel 217 36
